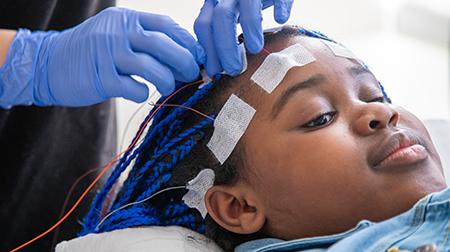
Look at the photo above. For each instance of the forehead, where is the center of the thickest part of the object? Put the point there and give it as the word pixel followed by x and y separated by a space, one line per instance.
pixel 326 63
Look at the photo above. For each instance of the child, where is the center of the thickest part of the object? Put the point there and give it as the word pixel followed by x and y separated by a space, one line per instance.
pixel 326 155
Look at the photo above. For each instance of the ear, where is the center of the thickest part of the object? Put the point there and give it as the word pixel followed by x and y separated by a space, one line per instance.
pixel 235 209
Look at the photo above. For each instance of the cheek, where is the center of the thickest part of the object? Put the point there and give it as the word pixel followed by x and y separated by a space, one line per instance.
pixel 324 157
pixel 322 162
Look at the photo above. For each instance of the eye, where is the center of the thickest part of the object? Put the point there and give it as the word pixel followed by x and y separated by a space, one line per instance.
pixel 321 120
pixel 379 99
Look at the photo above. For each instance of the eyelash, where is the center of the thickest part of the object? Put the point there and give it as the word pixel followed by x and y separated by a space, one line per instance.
pixel 313 121
pixel 332 114
pixel 378 99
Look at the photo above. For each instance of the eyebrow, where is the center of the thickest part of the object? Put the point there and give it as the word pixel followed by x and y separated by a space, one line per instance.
pixel 284 98
pixel 313 81
pixel 354 71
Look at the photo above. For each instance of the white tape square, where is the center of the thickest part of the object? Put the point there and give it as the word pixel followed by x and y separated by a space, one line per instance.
pixel 339 50
pixel 272 71
pixel 229 126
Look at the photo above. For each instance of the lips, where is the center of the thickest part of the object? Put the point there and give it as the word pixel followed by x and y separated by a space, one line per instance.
pixel 402 147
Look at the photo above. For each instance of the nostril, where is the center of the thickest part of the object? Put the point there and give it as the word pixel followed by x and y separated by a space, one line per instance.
pixel 374 124
pixel 394 119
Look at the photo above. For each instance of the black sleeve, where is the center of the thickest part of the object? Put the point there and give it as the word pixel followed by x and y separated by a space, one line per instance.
pixel 43 150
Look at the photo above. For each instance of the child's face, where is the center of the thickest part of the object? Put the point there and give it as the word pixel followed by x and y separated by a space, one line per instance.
pixel 314 176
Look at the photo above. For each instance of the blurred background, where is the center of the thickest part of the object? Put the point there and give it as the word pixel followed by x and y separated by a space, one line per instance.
pixel 404 42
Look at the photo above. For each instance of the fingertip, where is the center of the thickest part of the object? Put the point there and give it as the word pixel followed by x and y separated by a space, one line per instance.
pixel 255 45
pixel 281 18
pixel 232 64
pixel 212 64
pixel 189 75
pixel 211 71
pixel 282 11
pixel 251 23
pixel 234 70
pixel 134 88
pixel 167 89
pixel 167 85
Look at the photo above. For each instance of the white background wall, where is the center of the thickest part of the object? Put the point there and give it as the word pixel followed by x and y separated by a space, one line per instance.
pixel 413 67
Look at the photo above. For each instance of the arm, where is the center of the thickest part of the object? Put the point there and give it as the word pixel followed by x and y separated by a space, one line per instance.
pixel 6 37
pixel 95 60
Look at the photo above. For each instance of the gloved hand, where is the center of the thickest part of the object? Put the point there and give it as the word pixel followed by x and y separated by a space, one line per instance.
pixel 215 28
pixel 93 61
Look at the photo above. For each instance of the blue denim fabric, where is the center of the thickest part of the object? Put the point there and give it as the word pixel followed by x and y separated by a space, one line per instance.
pixel 428 221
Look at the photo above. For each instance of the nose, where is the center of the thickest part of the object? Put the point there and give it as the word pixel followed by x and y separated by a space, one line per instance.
pixel 375 116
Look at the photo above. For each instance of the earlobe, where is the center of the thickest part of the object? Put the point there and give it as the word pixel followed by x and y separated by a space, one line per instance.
pixel 235 209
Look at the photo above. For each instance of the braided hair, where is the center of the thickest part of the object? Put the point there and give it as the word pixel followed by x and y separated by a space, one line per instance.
pixel 173 152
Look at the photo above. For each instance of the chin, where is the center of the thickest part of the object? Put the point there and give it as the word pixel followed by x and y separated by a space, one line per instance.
pixel 429 181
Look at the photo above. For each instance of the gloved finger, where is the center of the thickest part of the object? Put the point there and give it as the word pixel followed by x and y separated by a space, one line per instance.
pixel 282 10
pixel 148 68
pixel 164 24
pixel 204 32
pixel 168 52
pixel 266 4
pixel 224 32
pixel 133 90
pixel 251 23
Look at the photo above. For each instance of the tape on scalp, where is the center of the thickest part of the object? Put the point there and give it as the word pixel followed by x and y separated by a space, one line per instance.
pixel 276 65
pixel 198 186
pixel 229 126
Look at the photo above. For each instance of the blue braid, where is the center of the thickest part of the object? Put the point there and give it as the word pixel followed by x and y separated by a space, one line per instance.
pixel 172 128
pixel 182 150
pixel 188 220
pixel 173 214
pixel 135 221
pixel 177 113
pixel 92 216
pixel 128 217
pixel 163 168
pixel 388 99
pixel 174 210
pixel 130 183
pixel 315 34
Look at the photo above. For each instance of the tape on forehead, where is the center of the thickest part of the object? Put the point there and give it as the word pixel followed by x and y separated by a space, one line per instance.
pixel 229 126
pixel 276 65
pixel 339 50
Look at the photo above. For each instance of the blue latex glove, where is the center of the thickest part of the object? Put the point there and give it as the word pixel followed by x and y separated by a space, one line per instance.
pixel 215 28
pixel 93 61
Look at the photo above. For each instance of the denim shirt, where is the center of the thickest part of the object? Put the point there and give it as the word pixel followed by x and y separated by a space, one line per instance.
pixel 428 221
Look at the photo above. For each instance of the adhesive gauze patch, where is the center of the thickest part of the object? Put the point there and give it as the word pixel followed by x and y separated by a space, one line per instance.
pixel 276 65
pixel 340 50
pixel 197 188
pixel 229 126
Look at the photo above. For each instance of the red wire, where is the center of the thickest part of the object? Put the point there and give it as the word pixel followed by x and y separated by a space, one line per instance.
pixel 66 201
pixel 267 51
pixel 185 107
pixel 72 188
pixel 104 170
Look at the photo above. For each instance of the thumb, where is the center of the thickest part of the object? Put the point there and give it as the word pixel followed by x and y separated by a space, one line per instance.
pixel 133 90
pixel 282 10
